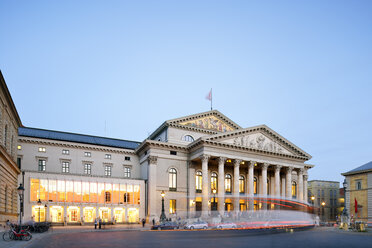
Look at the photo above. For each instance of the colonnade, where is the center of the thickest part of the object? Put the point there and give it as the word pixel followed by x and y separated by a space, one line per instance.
pixel 251 167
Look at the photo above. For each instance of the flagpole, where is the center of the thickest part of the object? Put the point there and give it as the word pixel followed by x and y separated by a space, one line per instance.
pixel 211 99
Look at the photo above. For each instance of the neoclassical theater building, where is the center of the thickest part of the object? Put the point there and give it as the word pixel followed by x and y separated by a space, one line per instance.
pixel 204 164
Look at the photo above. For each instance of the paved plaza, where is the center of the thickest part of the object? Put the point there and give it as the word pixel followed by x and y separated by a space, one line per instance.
pixel 317 237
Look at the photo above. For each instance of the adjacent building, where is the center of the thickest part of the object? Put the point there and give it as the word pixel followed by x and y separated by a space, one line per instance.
pixel 358 195
pixel 9 171
pixel 324 195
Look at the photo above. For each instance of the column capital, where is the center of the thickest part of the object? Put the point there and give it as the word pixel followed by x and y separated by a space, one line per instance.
pixel 152 159
pixel 300 171
pixel 305 177
pixel 265 166
pixel 289 169
pixel 251 163
pixel 278 168
pixel 205 158
pixel 237 162
pixel 222 160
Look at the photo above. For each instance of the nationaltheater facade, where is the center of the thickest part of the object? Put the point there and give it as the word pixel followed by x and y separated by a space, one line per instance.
pixel 202 164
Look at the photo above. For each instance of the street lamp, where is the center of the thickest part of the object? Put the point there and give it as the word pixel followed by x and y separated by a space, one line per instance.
pixel 39 204
pixel 345 215
pixel 162 216
pixel 312 201
pixel 323 204
pixel 20 190
pixel 214 191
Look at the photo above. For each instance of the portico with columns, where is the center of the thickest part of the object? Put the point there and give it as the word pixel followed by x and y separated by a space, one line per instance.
pixel 250 169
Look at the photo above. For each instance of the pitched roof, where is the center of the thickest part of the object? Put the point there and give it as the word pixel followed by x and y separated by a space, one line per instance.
pixel 362 168
pixel 79 138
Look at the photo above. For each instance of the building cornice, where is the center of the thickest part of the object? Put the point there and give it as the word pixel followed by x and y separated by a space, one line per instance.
pixel 158 144
pixel 356 172
pixel 75 145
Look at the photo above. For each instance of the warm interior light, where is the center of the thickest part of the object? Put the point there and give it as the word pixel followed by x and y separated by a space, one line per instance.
pixel 243 162
pixel 323 203
pixel 214 191
pixel 228 161
pixel 313 198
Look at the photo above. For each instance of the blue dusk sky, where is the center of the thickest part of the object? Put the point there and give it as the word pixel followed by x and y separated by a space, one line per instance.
pixel 121 68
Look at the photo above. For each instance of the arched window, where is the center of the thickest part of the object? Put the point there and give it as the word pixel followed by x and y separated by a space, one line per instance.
pixel 172 179
pixel 241 184
pixel 213 181
pixel 294 189
pixel 188 138
pixel 255 184
pixel 198 182
pixel 227 183
pixel 268 187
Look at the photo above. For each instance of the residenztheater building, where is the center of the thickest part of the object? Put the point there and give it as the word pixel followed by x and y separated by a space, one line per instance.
pixel 204 164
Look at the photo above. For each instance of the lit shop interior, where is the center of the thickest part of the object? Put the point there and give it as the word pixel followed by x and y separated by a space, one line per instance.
pixel 78 202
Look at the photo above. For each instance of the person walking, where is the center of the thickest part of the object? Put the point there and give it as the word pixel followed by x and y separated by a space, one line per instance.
pixel 99 223
pixel 143 222
pixel 153 222
pixel 95 223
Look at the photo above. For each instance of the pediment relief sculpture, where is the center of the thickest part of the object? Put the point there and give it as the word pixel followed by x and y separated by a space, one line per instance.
pixel 210 122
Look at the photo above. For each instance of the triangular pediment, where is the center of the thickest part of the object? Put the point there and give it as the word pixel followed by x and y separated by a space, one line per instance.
pixel 260 138
pixel 211 120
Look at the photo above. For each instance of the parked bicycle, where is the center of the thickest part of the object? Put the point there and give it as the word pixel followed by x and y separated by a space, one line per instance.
pixel 19 233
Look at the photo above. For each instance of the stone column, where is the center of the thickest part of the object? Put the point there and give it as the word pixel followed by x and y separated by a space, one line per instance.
pixel 277 180
pixel 250 183
pixel 152 196
pixel 300 185
pixel 264 184
pixel 221 185
pixel 192 189
pixel 305 189
pixel 236 185
pixel 288 182
pixel 205 192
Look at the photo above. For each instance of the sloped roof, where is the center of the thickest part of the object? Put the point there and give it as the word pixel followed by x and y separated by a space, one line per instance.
pixel 73 137
pixel 365 167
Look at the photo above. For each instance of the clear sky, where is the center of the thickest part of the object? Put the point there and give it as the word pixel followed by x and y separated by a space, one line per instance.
pixel 304 68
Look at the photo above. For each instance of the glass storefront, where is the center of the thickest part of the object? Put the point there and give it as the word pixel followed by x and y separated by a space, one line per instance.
pixel 89 214
pixel 56 214
pixel 105 214
pixel 38 213
pixel 133 215
pixel 119 215
pixel 73 214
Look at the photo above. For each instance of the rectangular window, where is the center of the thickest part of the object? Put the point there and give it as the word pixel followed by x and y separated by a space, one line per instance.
pixel 42 149
pixel 172 206
pixel 87 169
pixel 108 171
pixel 52 190
pixel 127 172
pixel 87 154
pixel 358 185
pixel 127 158
pixel 61 191
pixel 173 153
pixel 65 167
pixel 19 147
pixel 42 164
pixel 93 196
pixel 19 163
pixel 34 192
pixel 65 152
pixel 107 156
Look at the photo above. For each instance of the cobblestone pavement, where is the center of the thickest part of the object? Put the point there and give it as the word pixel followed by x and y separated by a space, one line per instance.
pixel 36 237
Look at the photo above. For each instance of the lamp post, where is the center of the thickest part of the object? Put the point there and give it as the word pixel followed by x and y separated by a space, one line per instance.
pixel 162 216
pixel 39 204
pixel 20 190
pixel 214 191
pixel 345 215
pixel 312 201
pixel 323 204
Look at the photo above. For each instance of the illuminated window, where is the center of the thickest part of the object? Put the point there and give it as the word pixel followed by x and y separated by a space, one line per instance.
pixel 65 152
pixel 228 183
pixel 19 147
pixel 61 190
pixel 87 169
pixel 241 184
pixel 198 182
pixel 188 138
pixel 172 179
pixel 42 164
pixel 213 181
pixel 34 192
pixel 85 190
pixel 107 197
pixel 255 184
pixel 172 206
pixel 65 167
pixel 127 172
pixel 42 149
pixel 87 154
pixel 107 156
pixel 108 171
pixel 294 189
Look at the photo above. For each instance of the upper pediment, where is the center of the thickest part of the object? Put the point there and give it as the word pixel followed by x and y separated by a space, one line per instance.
pixel 211 120
pixel 260 138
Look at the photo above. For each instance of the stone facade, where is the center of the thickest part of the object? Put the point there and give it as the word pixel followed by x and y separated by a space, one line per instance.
pixel 9 123
pixel 327 192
